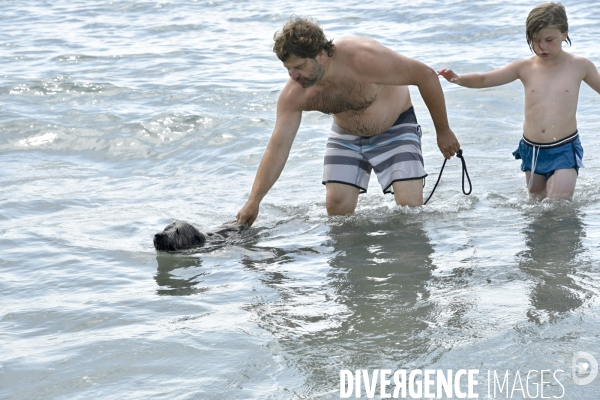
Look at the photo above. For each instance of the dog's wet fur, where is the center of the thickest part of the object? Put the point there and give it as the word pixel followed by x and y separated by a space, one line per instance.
pixel 181 235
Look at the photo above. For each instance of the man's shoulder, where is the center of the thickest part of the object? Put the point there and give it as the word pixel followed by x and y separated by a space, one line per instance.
pixel 353 41
pixel 359 52
pixel 292 96
pixel 355 45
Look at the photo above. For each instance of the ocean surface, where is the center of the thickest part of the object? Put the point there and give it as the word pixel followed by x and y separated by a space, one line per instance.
pixel 120 117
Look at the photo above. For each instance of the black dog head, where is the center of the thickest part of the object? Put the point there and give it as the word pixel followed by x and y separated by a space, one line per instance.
pixel 178 236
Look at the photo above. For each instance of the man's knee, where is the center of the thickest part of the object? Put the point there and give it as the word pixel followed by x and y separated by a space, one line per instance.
pixel 409 193
pixel 341 199
pixel 336 208
pixel 338 205
pixel 411 201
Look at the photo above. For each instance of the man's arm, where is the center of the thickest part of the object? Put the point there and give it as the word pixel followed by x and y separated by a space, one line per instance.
pixel 433 96
pixel 273 160
pixel 386 67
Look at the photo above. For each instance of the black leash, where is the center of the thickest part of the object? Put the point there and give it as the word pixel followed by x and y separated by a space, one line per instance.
pixel 464 172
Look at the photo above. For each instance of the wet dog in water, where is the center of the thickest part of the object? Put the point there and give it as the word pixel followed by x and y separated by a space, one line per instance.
pixel 181 235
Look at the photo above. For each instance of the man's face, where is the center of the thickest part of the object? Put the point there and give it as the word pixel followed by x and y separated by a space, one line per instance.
pixel 305 71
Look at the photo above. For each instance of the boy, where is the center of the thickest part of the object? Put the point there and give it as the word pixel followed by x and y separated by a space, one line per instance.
pixel 550 150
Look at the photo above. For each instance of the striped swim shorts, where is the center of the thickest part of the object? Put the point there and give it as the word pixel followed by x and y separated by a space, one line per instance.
pixel 394 155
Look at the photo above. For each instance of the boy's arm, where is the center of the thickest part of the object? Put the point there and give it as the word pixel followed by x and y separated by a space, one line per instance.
pixel 273 160
pixel 592 77
pixel 498 77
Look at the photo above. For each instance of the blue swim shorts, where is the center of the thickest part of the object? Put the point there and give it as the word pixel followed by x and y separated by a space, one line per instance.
pixel 394 155
pixel 545 158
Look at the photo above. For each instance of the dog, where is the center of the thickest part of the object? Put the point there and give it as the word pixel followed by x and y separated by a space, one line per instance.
pixel 182 235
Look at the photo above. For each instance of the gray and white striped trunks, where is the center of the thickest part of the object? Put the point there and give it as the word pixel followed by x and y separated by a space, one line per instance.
pixel 394 155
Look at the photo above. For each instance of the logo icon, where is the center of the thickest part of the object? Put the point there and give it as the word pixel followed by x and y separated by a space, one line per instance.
pixel 584 372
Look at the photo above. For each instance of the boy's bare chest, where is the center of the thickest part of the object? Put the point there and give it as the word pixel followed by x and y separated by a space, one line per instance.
pixel 551 84
pixel 563 93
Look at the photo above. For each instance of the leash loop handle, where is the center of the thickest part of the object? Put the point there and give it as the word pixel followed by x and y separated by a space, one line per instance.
pixel 459 154
pixel 464 173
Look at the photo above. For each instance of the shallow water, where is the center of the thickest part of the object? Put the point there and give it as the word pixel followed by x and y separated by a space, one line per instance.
pixel 117 118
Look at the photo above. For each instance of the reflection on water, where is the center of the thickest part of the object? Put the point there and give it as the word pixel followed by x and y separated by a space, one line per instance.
pixel 554 244
pixel 380 275
pixel 178 275
pixel 366 310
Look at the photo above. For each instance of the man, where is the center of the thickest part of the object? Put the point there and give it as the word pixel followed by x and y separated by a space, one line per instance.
pixel 364 85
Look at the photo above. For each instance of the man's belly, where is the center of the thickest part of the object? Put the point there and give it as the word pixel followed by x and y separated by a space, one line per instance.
pixel 372 121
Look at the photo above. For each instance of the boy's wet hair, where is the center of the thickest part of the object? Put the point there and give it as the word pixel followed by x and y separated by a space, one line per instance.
pixel 547 15
pixel 301 37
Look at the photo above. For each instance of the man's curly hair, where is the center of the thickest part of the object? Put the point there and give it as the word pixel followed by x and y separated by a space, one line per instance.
pixel 301 37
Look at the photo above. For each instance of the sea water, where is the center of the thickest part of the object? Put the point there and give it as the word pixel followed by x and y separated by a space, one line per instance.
pixel 120 117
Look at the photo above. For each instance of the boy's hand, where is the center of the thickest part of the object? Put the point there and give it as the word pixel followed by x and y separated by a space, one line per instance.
pixel 449 75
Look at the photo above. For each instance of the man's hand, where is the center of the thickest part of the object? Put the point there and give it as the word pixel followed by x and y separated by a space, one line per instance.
pixel 447 143
pixel 248 213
